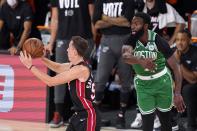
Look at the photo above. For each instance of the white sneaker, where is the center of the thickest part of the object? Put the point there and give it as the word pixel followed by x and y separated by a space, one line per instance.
pixel 157 123
pixel 137 123
pixel 175 128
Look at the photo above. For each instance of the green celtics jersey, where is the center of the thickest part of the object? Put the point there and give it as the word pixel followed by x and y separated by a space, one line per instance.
pixel 150 50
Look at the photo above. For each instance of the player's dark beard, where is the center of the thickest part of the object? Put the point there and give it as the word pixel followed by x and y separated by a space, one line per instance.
pixel 134 37
pixel 138 34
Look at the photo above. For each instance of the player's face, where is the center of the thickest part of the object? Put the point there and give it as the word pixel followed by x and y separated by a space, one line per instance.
pixel 137 27
pixel 182 42
pixel 71 51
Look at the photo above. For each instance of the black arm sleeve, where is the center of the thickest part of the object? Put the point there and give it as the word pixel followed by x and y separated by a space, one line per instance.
pixel 164 47
pixel 129 6
pixel 97 11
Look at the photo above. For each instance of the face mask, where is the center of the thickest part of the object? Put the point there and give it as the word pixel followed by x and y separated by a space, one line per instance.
pixel 12 2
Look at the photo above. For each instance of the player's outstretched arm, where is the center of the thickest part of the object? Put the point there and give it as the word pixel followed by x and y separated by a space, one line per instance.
pixel 56 67
pixel 78 72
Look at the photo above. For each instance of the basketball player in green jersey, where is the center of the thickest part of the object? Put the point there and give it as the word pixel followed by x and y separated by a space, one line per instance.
pixel 148 53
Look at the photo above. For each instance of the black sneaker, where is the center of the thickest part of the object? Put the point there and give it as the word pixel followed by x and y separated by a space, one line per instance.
pixel 120 122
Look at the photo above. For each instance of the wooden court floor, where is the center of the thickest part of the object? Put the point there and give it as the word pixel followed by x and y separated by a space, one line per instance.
pixel 9 125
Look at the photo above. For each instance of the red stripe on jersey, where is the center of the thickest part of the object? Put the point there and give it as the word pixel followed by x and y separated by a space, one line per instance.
pixel 91 120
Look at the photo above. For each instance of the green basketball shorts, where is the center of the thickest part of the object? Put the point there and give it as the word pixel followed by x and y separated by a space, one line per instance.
pixel 155 93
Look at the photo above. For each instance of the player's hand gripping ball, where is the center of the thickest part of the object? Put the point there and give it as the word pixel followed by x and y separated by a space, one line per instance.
pixel 33 47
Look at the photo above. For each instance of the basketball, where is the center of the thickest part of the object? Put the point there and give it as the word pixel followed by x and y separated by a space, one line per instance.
pixel 34 47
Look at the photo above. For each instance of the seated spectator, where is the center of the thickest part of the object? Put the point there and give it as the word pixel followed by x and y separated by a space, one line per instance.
pixel 186 55
pixel 16 17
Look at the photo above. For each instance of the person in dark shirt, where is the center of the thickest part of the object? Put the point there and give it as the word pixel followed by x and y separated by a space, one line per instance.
pixel 111 18
pixel 78 75
pixel 186 55
pixel 148 53
pixel 69 18
pixel 16 17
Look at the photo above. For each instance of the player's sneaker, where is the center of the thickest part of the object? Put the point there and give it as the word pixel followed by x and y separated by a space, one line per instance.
pixel 120 122
pixel 57 121
pixel 137 123
pixel 175 126
pixel 157 123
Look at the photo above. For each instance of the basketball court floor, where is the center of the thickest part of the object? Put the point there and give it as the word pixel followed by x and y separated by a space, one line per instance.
pixel 13 125
pixel 10 125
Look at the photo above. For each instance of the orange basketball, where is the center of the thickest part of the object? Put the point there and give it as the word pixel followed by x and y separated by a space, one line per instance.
pixel 34 47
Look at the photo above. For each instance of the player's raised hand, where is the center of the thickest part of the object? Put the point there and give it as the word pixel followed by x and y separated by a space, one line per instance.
pixel 25 59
